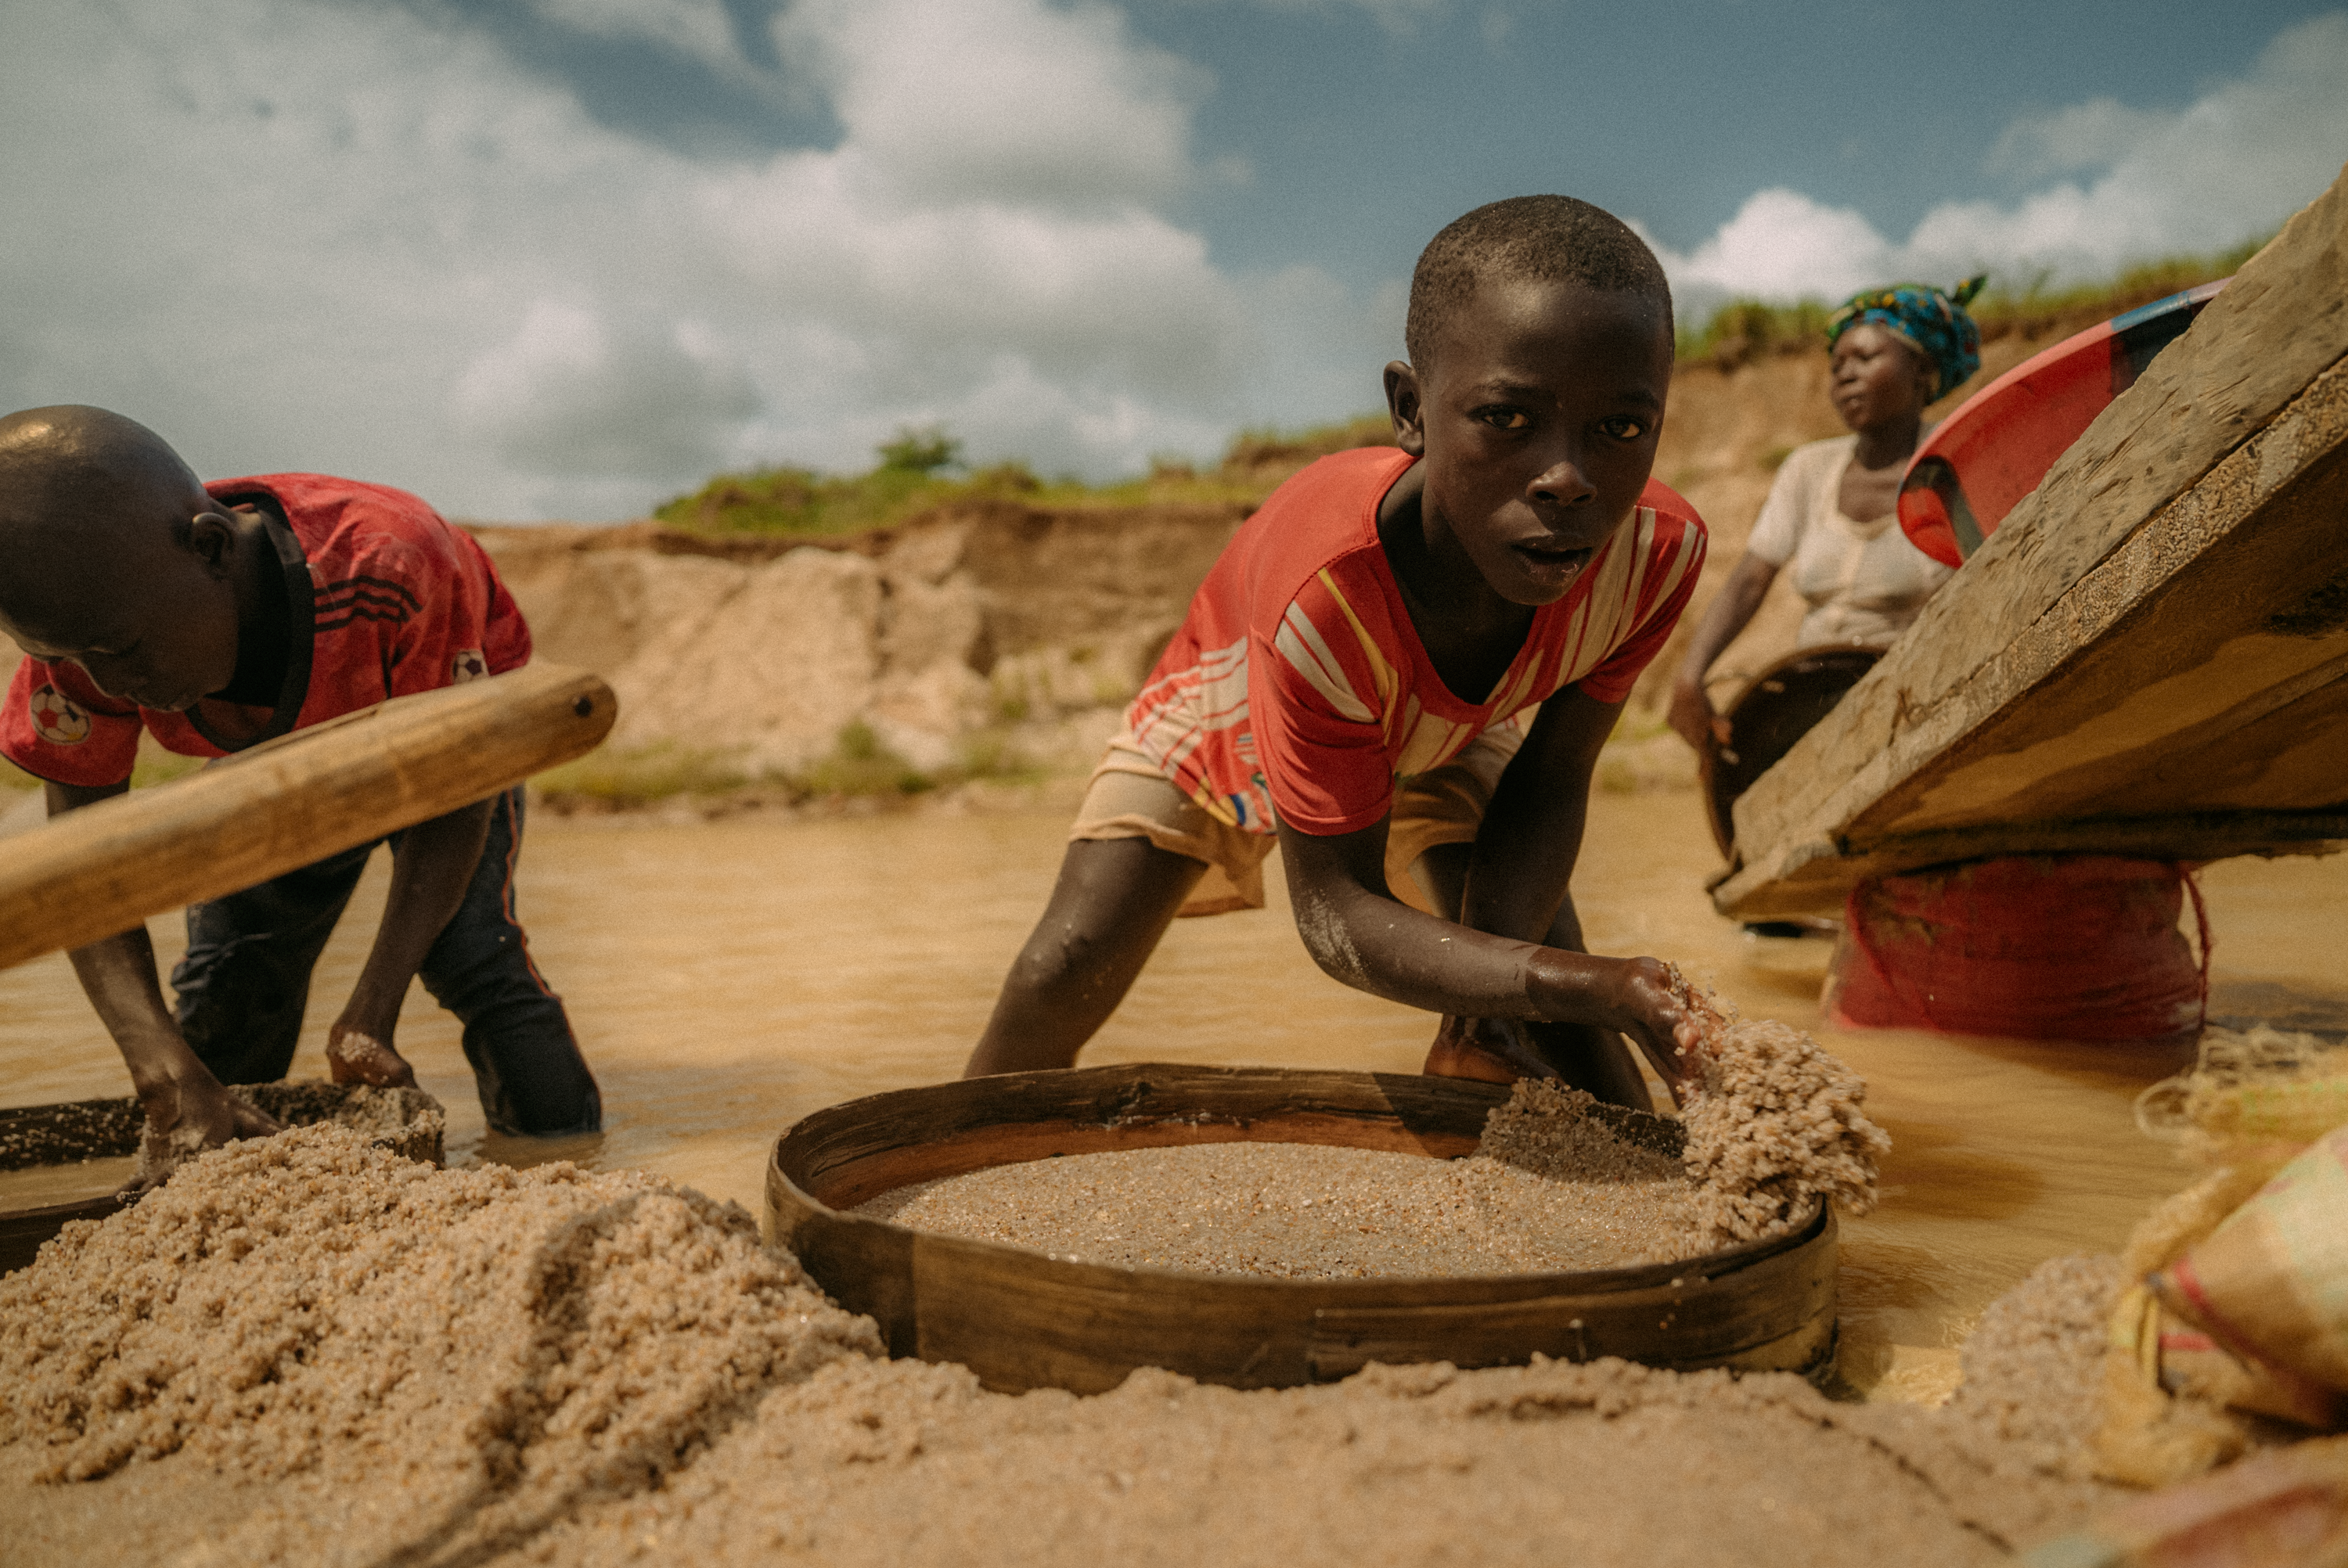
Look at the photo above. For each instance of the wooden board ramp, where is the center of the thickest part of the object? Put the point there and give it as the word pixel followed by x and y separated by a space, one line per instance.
pixel 290 802
pixel 1023 1319
pixel 2149 657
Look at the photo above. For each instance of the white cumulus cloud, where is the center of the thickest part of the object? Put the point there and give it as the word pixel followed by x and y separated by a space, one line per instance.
pixel 961 100
pixel 367 237
pixel 2229 167
pixel 570 393
pixel 296 234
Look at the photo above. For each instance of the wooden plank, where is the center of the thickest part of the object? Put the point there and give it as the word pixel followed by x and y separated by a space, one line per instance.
pixel 286 804
pixel 2212 836
pixel 2179 579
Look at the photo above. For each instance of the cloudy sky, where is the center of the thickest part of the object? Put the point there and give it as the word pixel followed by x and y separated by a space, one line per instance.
pixel 565 258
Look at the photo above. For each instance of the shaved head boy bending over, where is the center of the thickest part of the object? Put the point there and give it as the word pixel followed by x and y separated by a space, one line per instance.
pixel 1402 669
pixel 217 617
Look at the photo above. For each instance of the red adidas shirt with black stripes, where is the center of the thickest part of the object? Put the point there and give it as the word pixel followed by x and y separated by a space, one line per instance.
pixel 383 597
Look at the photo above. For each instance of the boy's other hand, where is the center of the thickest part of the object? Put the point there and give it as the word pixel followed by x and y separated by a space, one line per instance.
pixel 185 1116
pixel 1693 716
pixel 1488 1049
pixel 356 1055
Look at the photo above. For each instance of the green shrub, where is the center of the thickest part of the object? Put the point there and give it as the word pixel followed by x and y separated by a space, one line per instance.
pixel 641 776
pixel 921 451
pixel 1746 329
pixel 860 765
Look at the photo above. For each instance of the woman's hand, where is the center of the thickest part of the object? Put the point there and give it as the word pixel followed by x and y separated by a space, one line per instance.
pixel 1693 716
pixel 1729 614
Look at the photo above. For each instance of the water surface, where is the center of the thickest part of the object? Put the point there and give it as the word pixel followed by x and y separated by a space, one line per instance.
pixel 726 979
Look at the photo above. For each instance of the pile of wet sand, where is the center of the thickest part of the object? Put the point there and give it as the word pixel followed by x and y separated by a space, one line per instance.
pixel 408 1121
pixel 306 1350
pixel 1779 1123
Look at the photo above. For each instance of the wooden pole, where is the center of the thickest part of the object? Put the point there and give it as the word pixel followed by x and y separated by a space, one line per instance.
pixel 290 802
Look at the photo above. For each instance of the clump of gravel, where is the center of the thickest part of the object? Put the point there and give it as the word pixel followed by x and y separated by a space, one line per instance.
pixel 2031 1395
pixel 407 1121
pixel 1777 1126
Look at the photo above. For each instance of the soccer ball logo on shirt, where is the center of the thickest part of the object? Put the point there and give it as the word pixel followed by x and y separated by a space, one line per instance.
pixel 468 665
pixel 56 721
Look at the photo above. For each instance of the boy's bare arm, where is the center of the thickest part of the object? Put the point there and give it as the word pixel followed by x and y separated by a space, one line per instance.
pixel 1361 934
pixel 117 974
pixel 428 879
pixel 1519 883
pixel 1519 879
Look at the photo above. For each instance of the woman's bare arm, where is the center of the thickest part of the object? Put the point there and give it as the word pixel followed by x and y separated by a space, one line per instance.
pixel 1691 710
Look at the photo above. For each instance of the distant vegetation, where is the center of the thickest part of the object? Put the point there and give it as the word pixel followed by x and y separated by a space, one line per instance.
pixel 1744 330
pixel 921 468
pixel 860 766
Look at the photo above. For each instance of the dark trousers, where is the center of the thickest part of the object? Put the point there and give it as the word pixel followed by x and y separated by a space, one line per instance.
pixel 245 981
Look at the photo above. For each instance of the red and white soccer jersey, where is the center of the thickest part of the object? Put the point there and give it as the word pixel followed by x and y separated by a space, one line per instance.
pixel 385 599
pixel 1297 690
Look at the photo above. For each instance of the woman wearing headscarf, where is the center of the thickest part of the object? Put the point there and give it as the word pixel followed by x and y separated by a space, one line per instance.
pixel 1831 515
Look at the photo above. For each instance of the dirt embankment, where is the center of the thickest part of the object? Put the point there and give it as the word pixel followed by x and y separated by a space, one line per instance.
pixel 997 620
pixel 1027 630
pixel 1024 628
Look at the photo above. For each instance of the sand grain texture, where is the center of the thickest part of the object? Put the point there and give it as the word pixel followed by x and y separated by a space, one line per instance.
pixel 305 1350
pixel 1779 1124
pixel 489 1345
pixel 1778 1128
pixel 1549 1191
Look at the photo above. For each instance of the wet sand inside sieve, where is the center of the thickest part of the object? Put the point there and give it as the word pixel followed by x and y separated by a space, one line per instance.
pixel 1298 1210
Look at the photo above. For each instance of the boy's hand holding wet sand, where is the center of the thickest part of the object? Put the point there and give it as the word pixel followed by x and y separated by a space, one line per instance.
pixel 1641 998
pixel 1404 667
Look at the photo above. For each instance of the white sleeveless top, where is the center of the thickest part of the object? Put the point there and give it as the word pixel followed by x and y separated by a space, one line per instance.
pixel 1864 582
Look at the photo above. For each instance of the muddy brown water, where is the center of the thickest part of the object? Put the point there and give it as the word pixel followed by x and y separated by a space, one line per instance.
pixel 726 979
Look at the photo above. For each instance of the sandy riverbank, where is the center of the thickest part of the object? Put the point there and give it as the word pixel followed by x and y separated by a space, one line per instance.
pixel 309 1351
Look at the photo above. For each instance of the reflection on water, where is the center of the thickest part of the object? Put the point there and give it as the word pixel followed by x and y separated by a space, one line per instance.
pixel 728 979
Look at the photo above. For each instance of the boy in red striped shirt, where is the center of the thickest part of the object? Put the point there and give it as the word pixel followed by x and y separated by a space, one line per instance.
pixel 1401 670
pixel 217 616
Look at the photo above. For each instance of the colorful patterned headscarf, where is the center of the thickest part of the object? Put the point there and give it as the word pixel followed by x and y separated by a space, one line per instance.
pixel 1934 323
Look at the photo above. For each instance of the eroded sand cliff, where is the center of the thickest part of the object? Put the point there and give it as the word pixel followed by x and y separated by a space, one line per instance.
pixel 1030 625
